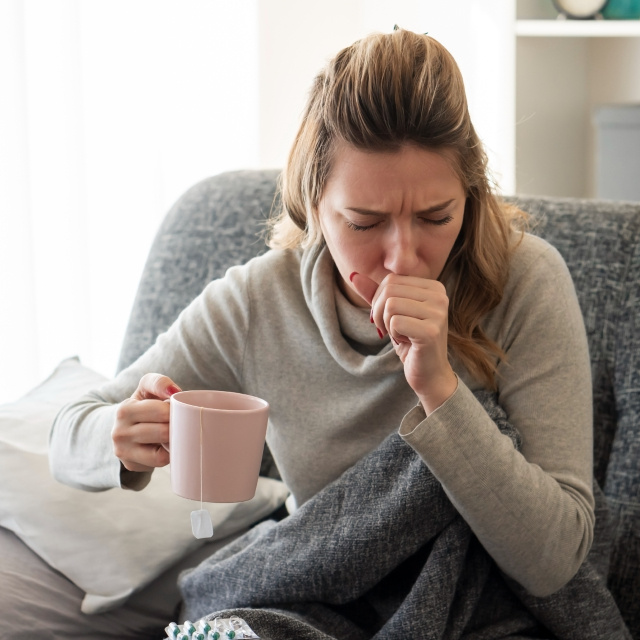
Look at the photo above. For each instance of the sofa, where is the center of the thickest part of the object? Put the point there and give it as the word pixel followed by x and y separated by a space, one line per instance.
pixel 221 221
pixel 100 542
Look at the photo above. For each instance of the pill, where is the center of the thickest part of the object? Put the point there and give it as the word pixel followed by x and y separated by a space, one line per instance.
pixel 204 626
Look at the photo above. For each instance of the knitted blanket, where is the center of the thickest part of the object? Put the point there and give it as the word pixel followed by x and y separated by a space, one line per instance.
pixel 381 553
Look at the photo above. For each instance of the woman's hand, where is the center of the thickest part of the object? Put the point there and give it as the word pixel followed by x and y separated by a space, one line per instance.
pixel 414 312
pixel 142 424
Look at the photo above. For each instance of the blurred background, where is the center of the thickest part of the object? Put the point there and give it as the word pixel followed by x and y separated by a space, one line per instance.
pixel 111 109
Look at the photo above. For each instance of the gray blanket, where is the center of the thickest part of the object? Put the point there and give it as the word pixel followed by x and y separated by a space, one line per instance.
pixel 382 553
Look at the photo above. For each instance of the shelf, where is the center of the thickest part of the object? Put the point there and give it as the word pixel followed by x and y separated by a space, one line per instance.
pixel 578 28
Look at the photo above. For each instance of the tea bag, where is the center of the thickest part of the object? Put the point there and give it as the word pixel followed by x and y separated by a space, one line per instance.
pixel 201 524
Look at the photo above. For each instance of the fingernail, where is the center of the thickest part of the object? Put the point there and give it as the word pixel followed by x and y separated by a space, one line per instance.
pixel 171 389
pixel 379 333
pixel 354 273
pixel 371 316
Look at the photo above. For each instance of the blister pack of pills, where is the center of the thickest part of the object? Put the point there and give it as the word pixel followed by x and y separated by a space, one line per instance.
pixel 233 628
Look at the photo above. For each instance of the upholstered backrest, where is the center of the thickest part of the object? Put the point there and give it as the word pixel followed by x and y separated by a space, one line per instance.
pixel 220 222
pixel 600 241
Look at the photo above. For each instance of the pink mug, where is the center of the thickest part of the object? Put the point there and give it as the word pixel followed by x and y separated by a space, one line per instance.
pixel 225 432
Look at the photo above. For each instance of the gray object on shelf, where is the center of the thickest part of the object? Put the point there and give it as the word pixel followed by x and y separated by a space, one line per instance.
pixel 618 152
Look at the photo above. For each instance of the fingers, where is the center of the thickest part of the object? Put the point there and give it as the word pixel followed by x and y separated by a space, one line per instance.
pixel 142 425
pixel 145 458
pixel 150 433
pixel 408 287
pixel 412 298
pixel 138 446
pixel 132 411
pixel 141 422
pixel 408 308
pixel 155 386
pixel 415 313
pixel 365 287
pixel 418 332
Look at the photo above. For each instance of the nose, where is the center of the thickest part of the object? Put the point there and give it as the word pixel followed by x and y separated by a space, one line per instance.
pixel 401 251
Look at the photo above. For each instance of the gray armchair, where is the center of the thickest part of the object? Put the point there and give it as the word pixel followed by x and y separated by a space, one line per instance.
pixel 220 222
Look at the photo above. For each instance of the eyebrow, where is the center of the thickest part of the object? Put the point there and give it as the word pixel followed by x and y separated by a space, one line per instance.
pixel 370 212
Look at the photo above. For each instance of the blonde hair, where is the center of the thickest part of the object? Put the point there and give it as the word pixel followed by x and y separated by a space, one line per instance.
pixel 383 92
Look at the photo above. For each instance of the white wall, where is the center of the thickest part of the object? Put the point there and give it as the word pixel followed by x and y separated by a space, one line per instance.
pixel 552 116
pixel 561 81
pixel 297 38
pixel 614 79
pixel 109 111
pixel 295 41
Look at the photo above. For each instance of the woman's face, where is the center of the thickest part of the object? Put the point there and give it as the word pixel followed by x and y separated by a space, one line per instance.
pixel 390 212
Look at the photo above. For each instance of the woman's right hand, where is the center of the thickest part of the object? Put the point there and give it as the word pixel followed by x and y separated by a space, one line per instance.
pixel 142 424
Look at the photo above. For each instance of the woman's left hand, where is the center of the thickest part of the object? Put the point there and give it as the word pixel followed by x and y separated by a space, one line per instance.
pixel 414 312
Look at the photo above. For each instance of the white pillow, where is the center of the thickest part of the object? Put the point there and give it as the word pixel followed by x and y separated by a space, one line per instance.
pixel 112 543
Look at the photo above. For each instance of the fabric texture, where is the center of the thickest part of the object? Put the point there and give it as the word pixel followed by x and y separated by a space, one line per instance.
pixel 600 241
pixel 382 553
pixel 279 313
pixel 110 544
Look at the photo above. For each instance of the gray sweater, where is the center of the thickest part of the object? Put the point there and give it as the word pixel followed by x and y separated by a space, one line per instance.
pixel 280 329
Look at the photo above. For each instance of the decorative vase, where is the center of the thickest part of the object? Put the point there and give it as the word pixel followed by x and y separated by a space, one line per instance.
pixel 579 9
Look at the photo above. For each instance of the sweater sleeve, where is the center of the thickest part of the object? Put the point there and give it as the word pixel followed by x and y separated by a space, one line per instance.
pixel 533 509
pixel 203 349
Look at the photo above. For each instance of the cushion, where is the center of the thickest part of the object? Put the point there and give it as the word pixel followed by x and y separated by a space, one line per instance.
pixel 111 543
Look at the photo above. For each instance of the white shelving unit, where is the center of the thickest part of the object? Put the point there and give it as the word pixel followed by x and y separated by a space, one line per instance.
pixel 578 28
pixel 564 70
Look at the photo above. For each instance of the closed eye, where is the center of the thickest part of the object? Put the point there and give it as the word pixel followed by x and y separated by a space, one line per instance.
pixel 358 227
pixel 438 221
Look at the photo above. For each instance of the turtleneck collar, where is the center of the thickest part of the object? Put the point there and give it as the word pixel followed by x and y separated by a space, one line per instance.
pixel 346 330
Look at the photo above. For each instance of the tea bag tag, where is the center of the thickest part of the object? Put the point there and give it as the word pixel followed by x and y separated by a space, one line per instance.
pixel 201 524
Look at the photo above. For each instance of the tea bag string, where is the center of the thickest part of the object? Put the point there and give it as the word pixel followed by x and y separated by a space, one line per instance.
pixel 201 523
pixel 201 458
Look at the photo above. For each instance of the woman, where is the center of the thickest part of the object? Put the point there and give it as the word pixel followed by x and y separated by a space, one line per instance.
pixel 398 285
